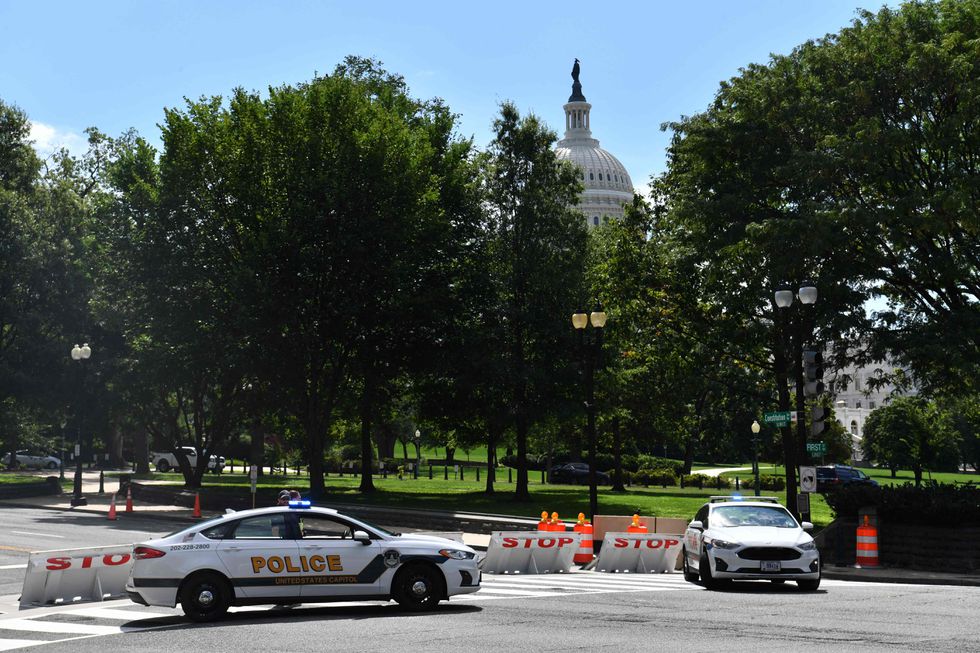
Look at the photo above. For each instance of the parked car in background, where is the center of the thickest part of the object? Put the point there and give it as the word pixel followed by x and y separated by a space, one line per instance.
pixel 165 462
pixel 576 474
pixel 33 460
pixel 830 477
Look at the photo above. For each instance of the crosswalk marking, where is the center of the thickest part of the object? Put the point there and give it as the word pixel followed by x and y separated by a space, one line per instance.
pixel 59 627
pixel 11 644
pixel 124 615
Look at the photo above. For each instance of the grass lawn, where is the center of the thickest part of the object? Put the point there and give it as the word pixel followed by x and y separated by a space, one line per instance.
pixel 14 478
pixel 468 495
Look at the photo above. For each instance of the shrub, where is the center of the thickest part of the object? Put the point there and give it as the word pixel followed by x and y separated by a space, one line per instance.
pixel 932 504
pixel 770 482
pixel 697 480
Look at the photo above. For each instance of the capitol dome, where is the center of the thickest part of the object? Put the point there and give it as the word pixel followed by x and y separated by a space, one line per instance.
pixel 607 184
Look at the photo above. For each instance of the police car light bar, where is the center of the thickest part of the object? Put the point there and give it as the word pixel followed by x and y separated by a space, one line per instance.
pixel 739 497
pixel 305 503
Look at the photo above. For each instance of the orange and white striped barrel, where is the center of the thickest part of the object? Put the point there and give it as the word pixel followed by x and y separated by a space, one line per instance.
pixel 584 554
pixel 544 525
pixel 867 545
pixel 556 524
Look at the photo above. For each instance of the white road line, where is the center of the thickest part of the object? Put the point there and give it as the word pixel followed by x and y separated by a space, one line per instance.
pixel 128 615
pixel 36 626
pixel 10 644
pixel 513 592
pixel 60 537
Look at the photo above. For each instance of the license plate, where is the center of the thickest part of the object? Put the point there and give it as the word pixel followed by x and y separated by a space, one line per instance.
pixel 771 565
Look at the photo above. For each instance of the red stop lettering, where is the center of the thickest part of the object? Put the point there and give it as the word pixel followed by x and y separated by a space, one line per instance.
pixel 510 542
pixel 621 543
pixel 562 541
pixel 108 559
pixel 58 564
pixel 546 543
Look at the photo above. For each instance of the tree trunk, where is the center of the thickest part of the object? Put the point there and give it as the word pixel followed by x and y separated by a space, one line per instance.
pixel 257 448
pixel 141 452
pixel 367 407
pixel 491 459
pixel 617 458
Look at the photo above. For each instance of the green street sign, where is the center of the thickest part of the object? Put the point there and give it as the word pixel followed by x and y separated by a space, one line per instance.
pixel 816 448
pixel 778 418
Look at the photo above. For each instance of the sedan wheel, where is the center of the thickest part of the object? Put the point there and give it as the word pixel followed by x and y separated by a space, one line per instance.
pixel 707 579
pixel 690 575
pixel 51 465
pixel 809 585
pixel 417 588
pixel 163 467
pixel 205 597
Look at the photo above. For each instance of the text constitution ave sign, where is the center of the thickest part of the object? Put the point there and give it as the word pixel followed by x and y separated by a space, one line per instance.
pixel 779 418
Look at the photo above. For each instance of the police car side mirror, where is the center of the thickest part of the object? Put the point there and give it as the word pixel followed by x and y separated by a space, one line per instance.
pixel 696 525
pixel 362 537
pixel 807 526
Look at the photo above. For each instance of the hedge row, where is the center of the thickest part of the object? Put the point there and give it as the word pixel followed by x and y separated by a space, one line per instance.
pixel 932 504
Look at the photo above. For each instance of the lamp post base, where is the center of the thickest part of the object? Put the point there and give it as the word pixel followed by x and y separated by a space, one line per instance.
pixel 78 501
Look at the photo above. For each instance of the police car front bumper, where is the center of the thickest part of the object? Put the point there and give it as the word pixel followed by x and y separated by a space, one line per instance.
pixel 777 563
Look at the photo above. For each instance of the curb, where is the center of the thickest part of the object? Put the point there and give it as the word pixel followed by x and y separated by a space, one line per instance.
pixel 898 576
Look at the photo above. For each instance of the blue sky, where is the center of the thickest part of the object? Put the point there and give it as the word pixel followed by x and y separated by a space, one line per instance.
pixel 117 64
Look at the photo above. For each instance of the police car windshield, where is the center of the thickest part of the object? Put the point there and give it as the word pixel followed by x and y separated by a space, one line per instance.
pixel 772 516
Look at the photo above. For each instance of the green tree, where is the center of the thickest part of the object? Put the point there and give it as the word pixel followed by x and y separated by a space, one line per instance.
pixel 537 251
pixel 910 432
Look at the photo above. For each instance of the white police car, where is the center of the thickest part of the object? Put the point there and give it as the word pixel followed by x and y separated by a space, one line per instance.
pixel 731 538
pixel 296 554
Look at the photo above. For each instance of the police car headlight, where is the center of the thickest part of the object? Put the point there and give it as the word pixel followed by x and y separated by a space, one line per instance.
pixel 807 546
pixel 725 544
pixel 455 554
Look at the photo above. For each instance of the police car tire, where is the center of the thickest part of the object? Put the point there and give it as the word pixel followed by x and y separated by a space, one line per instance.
pixel 192 589
pixel 404 588
pixel 163 467
pixel 704 568
pixel 809 585
pixel 690 575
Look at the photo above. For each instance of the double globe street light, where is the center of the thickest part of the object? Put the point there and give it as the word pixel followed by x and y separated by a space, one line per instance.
pixel 783 297
pixel 590 347
pixel 80 354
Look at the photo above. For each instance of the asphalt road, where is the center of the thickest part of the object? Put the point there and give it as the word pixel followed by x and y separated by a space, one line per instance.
pixel 533 613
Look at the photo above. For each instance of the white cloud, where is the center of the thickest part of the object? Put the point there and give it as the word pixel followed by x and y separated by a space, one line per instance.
pixel 48 139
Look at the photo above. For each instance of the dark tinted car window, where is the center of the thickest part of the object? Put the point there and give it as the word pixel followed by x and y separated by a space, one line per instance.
pixel 823 472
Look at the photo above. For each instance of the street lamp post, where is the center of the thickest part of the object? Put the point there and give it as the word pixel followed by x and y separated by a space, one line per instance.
pixel 418 451
pixel 80 354
pixel 590 346
pixel 755 453
pixel 807 294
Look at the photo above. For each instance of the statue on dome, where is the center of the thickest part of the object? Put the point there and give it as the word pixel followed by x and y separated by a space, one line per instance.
pixel 575 70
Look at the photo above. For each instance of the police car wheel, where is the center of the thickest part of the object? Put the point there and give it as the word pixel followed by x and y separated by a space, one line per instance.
pixel 163 467
pixel 417 588
pixel 809 585
pixel 204 597
pixel 690 575
pixel 707 579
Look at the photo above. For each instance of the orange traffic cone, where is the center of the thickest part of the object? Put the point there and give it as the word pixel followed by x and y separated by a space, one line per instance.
pixel 112 508
pixel 197 506
pixel 129 499
pixel 584 554
pixel 636 526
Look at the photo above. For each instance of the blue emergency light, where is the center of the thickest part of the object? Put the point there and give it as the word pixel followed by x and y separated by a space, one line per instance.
pixel 302 504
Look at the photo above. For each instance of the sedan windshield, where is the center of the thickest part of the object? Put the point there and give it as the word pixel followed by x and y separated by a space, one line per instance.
pixel 752 516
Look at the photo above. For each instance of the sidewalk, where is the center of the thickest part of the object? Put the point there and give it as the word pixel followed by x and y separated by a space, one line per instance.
pixel 99 504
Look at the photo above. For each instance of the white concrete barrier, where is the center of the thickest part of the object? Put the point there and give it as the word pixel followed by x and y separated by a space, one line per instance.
pixel 76 575
pixel 528 552
pixel 639 553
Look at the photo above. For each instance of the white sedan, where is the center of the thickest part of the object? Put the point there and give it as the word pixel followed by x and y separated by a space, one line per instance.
pixel 730 538
pixel 27 458
pixel 296 554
